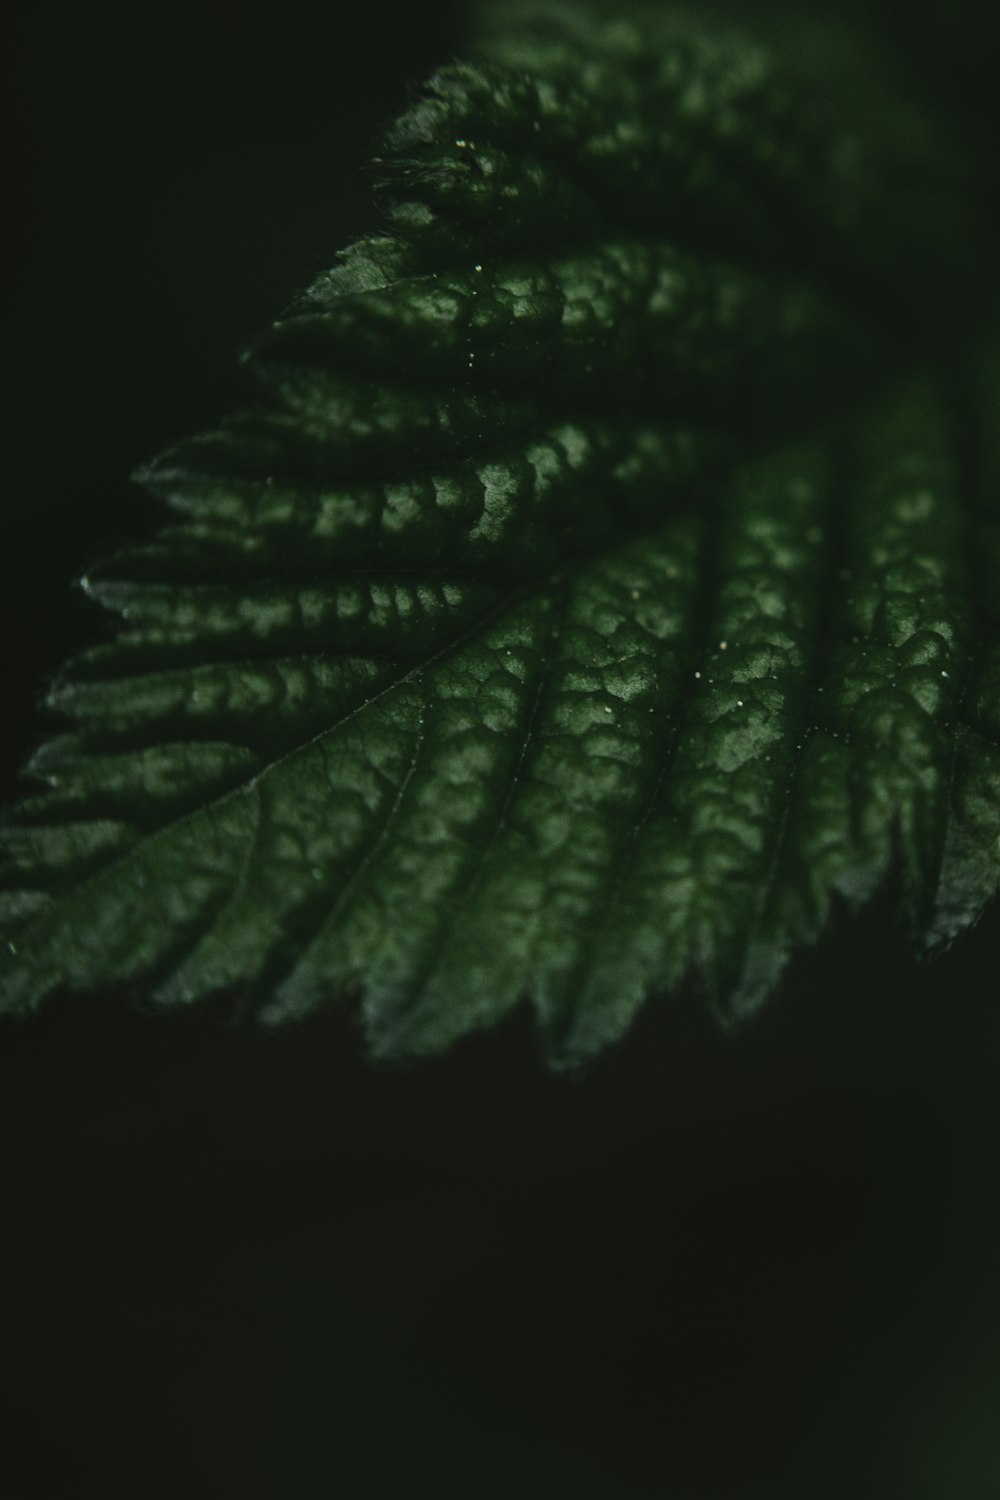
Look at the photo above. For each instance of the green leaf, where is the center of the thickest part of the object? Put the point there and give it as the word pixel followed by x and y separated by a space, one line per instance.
pixel 600 596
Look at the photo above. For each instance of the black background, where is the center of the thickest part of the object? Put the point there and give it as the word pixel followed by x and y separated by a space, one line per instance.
pixel 255 1265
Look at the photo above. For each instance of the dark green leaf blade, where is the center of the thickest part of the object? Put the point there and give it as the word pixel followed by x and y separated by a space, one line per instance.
pixel 571 619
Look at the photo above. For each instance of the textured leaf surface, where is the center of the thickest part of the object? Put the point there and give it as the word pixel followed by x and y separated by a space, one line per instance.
pixel 601 595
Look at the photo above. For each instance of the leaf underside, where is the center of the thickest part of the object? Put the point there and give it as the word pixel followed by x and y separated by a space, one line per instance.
pixel 600 596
